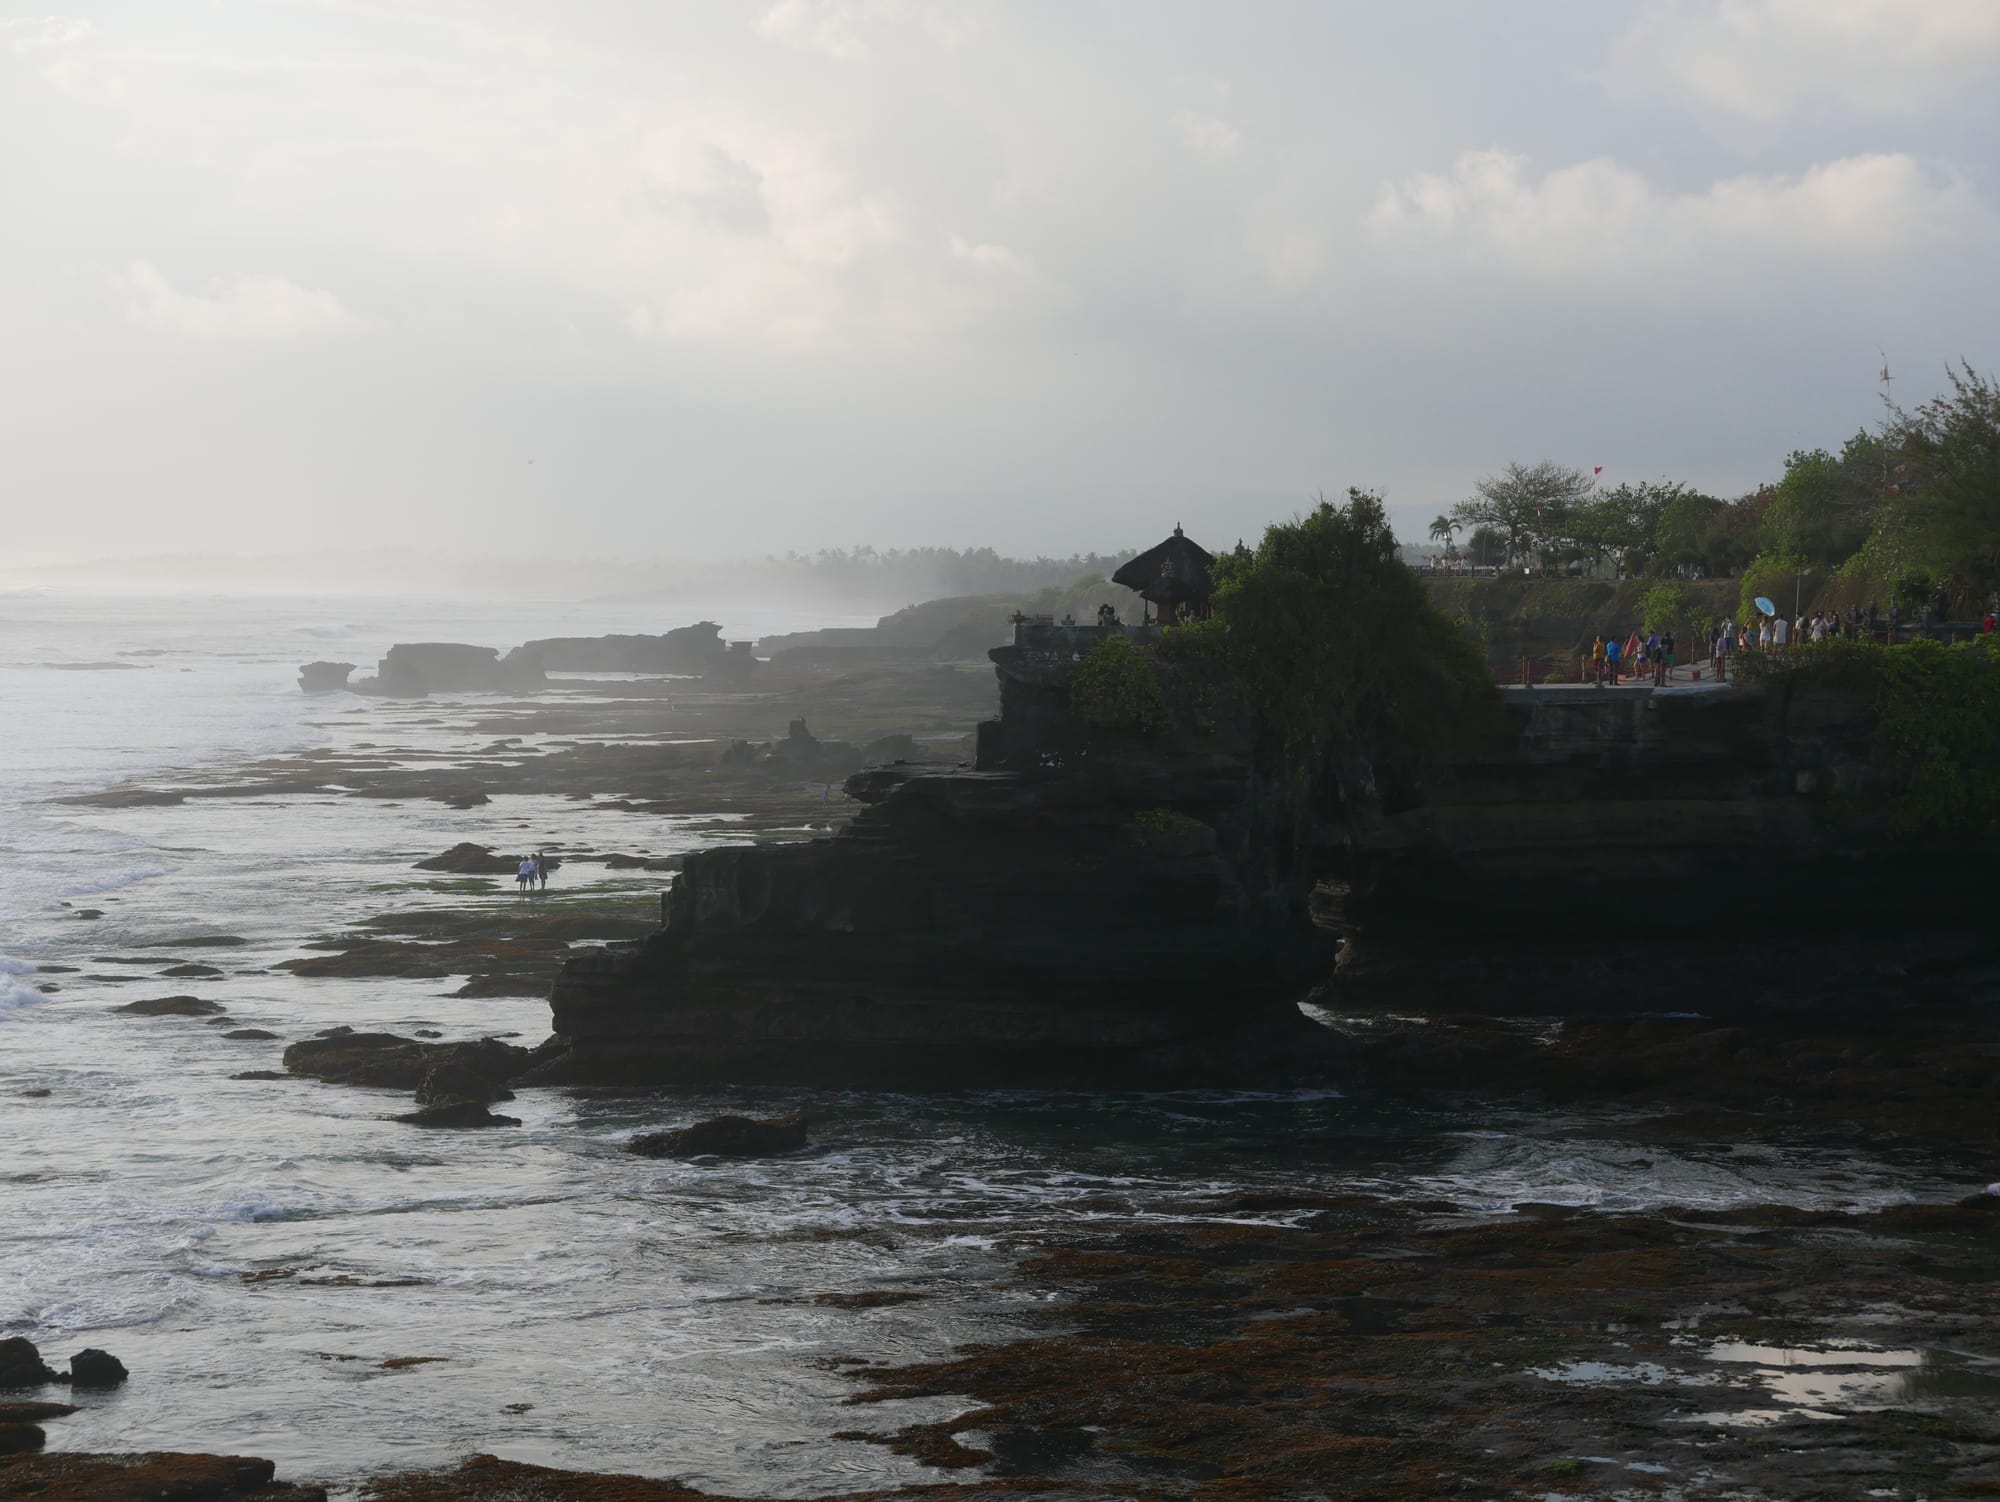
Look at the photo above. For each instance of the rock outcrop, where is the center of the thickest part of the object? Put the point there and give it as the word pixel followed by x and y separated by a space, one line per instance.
pixel 412 670
pixel 1624 850
pixel 696 650
pixel 91 1367
pixel 324 677
pixel 389 1061
pixel 21 1364
pixel 148 1476
pixel 1084 909
pixel 1115 922
pixel 726 1137
pixel 172 1006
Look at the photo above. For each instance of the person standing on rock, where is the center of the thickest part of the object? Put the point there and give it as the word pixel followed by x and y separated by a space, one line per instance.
pixel 1611 651
pixel 542 870
pixel 524 875
pixel 1597 662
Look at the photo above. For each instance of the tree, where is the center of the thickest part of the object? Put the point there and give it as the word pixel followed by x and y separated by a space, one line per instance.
pixel 1486 548
pixel 1530 506
pixel 1673 607
pixel 1442 530
pixel 1944 492
pixel 1337 648
pixel 1824 508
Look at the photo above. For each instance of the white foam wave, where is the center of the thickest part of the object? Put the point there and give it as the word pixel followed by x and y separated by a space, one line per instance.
pixel 14 996
pixel 326 631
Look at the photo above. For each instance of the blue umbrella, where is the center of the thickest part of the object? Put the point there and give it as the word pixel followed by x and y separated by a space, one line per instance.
pixel 1765 605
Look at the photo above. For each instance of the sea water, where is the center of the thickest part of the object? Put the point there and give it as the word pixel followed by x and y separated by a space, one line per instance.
pixel 259 1252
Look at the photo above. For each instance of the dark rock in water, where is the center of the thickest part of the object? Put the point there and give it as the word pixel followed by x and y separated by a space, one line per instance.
pixel 21 1364
pixel 250 1034
pixel 429 1032
pixel 90 912
pixel 726 1137
pixel 413 670
pixel 338 1030
pixel 34 1413
pixel 199 941
pixel 94 1368
pixel 468 859
pixel 21 1439
pixel 193 970
pixel 468 798
pixel 451 1079
pixel 70 1476
pixel 371 957
pixel 261 1074
pixel 456 1113
pixel 324 677
pixel 696 649
pixel 173 1006
pixel 39 1092
pixel 129 797
pixel 381 1060
pixel 390 1061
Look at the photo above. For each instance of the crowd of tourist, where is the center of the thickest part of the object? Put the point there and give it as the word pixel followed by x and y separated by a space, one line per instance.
pixel 1656 654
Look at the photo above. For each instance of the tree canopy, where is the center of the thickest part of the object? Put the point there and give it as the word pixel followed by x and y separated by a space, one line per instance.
pixel 1335 645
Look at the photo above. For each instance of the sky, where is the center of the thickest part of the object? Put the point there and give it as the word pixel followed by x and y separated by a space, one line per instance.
pixel 721 278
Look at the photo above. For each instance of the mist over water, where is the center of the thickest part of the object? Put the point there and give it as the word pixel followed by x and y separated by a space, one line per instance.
pixel 256 1250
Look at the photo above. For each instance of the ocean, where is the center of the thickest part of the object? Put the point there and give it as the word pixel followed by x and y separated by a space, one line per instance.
pixel 263 1253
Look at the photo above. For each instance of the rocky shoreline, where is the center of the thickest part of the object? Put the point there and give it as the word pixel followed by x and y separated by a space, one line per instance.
pixel 1277 1345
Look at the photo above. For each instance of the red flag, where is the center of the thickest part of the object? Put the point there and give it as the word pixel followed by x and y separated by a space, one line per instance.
pixel 1597 469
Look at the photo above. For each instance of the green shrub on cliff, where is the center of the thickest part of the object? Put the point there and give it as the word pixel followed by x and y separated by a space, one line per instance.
pixel 1114 689
pixel 1334 646
pixel 1674 607
pixel 1774 575
pixel 1937 720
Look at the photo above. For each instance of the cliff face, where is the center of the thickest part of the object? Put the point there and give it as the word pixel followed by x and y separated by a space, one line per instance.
pixel 1150 914
pixel 1620 850
pixel 967 929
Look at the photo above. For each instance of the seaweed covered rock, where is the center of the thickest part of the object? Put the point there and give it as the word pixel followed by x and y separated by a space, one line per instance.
pixel 173 1006
pixel 21 1364
pixel 726 1137
pixel 71 1476
pixel 455 1113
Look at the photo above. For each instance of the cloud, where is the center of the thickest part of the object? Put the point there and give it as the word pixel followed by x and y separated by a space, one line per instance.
pixel 36 34
pixel 1764 60
pixel 990 257
pixel 828 27
pixel 1601 222
pixel 245 308
pixel 1209 137
pixel 838 28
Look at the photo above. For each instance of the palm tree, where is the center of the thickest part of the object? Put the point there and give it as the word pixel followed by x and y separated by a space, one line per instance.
pixel 1442 529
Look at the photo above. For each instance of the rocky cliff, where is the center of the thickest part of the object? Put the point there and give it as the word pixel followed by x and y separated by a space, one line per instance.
pixel 1125 913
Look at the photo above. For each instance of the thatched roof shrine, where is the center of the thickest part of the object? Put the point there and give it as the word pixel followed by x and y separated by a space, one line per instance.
pixel 1174 575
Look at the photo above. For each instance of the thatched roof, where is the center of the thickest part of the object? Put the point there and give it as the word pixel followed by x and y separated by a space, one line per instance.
pixel 1176 572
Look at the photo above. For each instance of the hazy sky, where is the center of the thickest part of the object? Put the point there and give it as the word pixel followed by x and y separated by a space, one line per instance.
pixel 715 278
